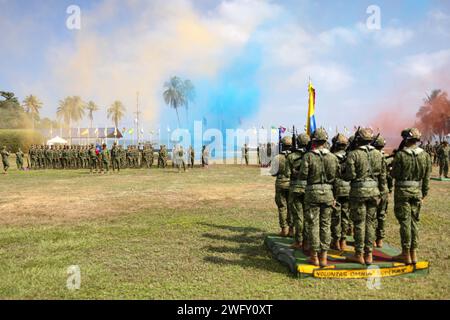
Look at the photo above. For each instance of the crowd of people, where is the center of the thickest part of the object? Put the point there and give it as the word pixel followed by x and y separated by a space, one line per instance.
pixel 325 193
pixel 99 159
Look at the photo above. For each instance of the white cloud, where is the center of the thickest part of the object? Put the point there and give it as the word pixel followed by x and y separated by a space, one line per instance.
pixel 426 65
pixel 393 37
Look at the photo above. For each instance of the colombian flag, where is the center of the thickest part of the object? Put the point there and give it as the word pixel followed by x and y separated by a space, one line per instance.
pixel 311 121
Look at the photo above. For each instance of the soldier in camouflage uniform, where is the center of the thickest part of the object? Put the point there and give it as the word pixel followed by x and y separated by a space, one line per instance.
pixel 411 171
pixel 435 153
pixel 340 218
pixel 320 168
pixel 40 157
pixel 280 170
pixel 366 171
pixel 105 158
pixel 443 156
pixel 19 159
pixel 5 159
pixel 181 162
pixel 246 154
pixel 32 156
pixel 379 144
pixel 93 159
pixel 191 156
pixel 115 157
pixel 123 157
pixel 297 193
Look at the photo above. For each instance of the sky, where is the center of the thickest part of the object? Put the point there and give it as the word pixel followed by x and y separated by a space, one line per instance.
pixel 250 60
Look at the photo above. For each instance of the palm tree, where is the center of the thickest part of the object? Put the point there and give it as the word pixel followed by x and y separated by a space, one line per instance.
pixel 189 95
pixel 32 105
pixel 91 108
pixel 70 109
pixel 116 112
pixel 174 95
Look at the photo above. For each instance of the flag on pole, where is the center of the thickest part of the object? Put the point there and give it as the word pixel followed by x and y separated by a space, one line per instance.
pixel 282 129
pixel 131 131
pixel 96 132
pixel 311 121
pixel 85 132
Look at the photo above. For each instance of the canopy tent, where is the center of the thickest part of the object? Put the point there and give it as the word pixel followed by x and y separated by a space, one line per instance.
pixel 56 140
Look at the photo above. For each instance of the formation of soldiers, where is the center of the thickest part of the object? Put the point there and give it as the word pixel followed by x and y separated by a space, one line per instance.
pixel 324 194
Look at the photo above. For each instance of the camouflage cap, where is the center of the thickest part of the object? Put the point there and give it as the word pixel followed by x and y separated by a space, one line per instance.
pixel 287 141
pixel 365 134
pixel 320 135
pixel 379 142
pixel 340 139
pixel 411 133
pixel 303 139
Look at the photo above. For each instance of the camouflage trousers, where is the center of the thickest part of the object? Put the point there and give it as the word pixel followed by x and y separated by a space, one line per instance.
pixel 115 164
pixel 407 212
pixel 296 205
pixel 281 199
pixel 93 164
pixel 381 216
pixel 363 212
pixel 340 219
pixel 443 167
pixel 318 219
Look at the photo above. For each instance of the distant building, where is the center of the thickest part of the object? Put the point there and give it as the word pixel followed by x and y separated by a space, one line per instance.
pixel 84 135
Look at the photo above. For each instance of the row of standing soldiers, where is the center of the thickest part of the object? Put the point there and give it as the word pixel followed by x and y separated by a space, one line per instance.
pixel 324 194
pixel 440 153
pixel 93 157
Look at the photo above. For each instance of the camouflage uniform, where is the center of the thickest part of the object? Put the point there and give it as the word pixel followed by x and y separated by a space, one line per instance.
pixel 115 157
pixel 443 156
pixel 191 156
pixel 181 162
pixel 297 187
pixel 105 158
pixel 246 155
pixel 280 170
pixel 93 159
pixel 411 170
pixel 19 159
pixel 32 155
pixel 5 159
pixel 340 218
pixel 319 168
pixel 366 171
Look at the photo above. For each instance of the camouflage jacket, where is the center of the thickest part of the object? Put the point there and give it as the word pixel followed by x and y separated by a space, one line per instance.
pixel 366 171
pixel 443 153
pixel 5 155
pixel 280 169
pixel 411 170
pixel 294 160
pixel 341 186
pixel 319 168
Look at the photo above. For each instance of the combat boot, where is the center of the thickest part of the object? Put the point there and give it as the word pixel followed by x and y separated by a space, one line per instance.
pixel 297 245
pixel 368 258
pixel 357 257
pixel 404 257
pixel 379 243
pixel 313 259
pixel 413 253
pixel 284 232
pixel 343 244
pixel 323 259
pixel 291 232
pixel 336 245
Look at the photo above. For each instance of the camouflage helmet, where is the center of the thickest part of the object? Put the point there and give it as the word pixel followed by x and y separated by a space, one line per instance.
pixel 303 139
pixel 286 141
pixel 340 139
pixel 379 142
pixel 411 133
pixel 320 135
pixel 365 134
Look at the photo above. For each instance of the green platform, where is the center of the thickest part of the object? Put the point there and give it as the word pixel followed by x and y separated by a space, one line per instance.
pixel 338 268
pixel 440 179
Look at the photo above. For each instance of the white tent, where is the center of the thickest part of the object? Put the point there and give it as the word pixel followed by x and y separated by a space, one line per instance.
pixel 56 140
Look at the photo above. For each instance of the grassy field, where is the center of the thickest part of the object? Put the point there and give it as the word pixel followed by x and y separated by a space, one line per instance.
pixel 161 235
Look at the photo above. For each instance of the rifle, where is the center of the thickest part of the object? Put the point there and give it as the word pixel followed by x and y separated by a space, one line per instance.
pixel 352 145
pixel 294 140
pixel 375 140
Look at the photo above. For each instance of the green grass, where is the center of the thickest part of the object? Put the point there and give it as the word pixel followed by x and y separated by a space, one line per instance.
pixel 162 235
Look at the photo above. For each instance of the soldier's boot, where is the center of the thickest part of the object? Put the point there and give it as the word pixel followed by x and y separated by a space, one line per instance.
pixel 368 258
pixel 413 253
pixel 336 245
pixel 297 245
pixel 305 247
pixel 291 229
pixel 404 257
pixel 357 257
pixel 379 243
pixel 343 244
pixel 284 232
pixel 323 259
pixel 313 259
